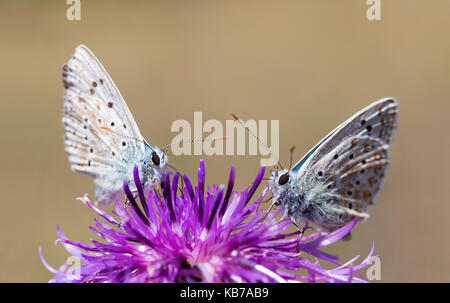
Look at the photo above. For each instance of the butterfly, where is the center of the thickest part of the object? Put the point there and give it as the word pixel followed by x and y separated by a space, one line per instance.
pixel 340 177
pixel 101 136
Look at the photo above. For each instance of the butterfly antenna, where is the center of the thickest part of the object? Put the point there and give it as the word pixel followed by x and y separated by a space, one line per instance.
pixel 292 151
pixel 125 136
pixel 257 138
pixel 193 141
pixel 120 134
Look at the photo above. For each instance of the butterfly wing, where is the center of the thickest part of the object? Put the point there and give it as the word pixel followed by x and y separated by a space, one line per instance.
pixel 91 103
pixel 345 171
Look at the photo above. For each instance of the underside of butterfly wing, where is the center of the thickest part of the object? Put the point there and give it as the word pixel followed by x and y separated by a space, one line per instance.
pixel 101 137
pixel 342 177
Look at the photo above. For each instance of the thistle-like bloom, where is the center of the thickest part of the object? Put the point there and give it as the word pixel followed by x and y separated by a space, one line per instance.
pixel 198 236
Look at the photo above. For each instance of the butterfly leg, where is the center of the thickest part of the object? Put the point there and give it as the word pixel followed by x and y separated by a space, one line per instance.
pixel 157 189
pixel 296 225
pixel 267 200
pixel 301 229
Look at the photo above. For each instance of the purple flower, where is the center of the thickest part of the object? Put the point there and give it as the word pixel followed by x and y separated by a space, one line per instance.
pixel 215 235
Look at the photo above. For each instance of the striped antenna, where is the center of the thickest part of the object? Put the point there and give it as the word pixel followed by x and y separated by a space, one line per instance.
pixel 194 141
pixel 257 138
pixel 292 151
pixel 119 134
pixel 125 136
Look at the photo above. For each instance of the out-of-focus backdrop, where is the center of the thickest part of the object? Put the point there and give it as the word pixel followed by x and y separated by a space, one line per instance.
pixel 309 64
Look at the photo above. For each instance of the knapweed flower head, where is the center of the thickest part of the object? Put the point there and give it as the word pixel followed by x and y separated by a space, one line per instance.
pixel 217 235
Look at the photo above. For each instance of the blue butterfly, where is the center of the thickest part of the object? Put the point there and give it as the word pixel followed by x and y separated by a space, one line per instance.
pixel 340 177
pixel 101 136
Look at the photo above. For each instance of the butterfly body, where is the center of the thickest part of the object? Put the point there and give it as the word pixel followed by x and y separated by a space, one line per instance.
pixel 340 177
pixel 101 136
pixel 304 204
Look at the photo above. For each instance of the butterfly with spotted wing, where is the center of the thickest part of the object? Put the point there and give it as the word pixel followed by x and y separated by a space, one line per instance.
pixel 101 136
pixel 340 177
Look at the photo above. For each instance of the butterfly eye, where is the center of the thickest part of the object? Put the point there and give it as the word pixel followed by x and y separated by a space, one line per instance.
pixel 283 179
pixel 155 159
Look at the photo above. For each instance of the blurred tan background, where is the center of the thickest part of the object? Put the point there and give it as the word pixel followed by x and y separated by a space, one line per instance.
pixel 310 64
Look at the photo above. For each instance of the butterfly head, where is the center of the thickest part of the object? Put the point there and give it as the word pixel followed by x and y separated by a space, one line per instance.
pixel 158 159
pixel 279 182
pixel 155 163
pixel 280 177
